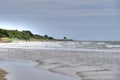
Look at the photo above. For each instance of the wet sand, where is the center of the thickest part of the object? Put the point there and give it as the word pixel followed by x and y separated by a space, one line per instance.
pixel 81 65
pixel 2 74
pixel 26 70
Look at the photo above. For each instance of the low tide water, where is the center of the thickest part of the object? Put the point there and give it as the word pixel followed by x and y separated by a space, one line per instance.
pixel 26 70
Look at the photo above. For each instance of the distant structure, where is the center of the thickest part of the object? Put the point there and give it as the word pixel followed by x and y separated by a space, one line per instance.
pixel 65 38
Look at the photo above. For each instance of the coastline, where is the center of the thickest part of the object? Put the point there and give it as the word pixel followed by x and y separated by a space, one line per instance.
pixel 3 73
pixel 80 65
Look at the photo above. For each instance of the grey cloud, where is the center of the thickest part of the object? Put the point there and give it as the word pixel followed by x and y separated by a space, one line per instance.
pixel 49 15
pixel 56 8
pixel 52 2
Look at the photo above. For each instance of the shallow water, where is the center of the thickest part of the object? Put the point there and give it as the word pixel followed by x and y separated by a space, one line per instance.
pixel 25 70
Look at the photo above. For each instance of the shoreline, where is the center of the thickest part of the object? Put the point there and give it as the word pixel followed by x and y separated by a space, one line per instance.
pixel 93 65
pixel 28 69
pixel 3 73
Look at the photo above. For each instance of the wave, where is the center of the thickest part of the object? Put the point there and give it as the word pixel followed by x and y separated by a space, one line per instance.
pixel 67 45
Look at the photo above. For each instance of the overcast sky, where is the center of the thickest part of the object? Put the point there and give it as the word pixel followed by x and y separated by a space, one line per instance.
pixel 76 19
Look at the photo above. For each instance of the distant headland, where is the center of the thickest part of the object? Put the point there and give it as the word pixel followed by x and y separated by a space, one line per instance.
pixel 21 35
pixel 10 35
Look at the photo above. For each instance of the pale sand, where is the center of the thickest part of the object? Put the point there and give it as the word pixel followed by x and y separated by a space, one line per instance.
pixel 82 65
pixel 2 74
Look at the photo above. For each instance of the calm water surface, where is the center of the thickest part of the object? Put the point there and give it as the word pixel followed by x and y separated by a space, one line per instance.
pixel 25 70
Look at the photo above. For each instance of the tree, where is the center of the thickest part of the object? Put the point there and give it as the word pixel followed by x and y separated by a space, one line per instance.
pixel 50 38
pixel 46 36
pixel 25 34
pixel 65 38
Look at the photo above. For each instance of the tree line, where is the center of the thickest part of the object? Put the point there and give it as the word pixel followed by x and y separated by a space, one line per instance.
pixel 25 34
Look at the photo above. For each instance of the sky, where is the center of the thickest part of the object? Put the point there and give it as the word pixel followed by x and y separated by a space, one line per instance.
pixel 74 19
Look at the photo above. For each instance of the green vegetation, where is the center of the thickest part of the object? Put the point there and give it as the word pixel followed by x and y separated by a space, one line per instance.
pixel 24 35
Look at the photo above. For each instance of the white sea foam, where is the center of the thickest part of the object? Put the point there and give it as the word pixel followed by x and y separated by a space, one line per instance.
pixel 85 43
pixel 64 46
pixel 100 43
pixel 113 46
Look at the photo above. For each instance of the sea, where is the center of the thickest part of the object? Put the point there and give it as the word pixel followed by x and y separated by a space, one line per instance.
pixel 91 45
pixel 67 45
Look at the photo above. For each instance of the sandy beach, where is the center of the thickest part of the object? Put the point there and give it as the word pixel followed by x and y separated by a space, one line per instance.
pixel 2 74
pixel 77 64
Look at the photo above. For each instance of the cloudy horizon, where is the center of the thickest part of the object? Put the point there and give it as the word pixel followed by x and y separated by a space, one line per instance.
pixel 76 19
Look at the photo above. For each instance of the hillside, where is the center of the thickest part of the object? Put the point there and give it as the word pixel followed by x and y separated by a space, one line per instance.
pixel 24 35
